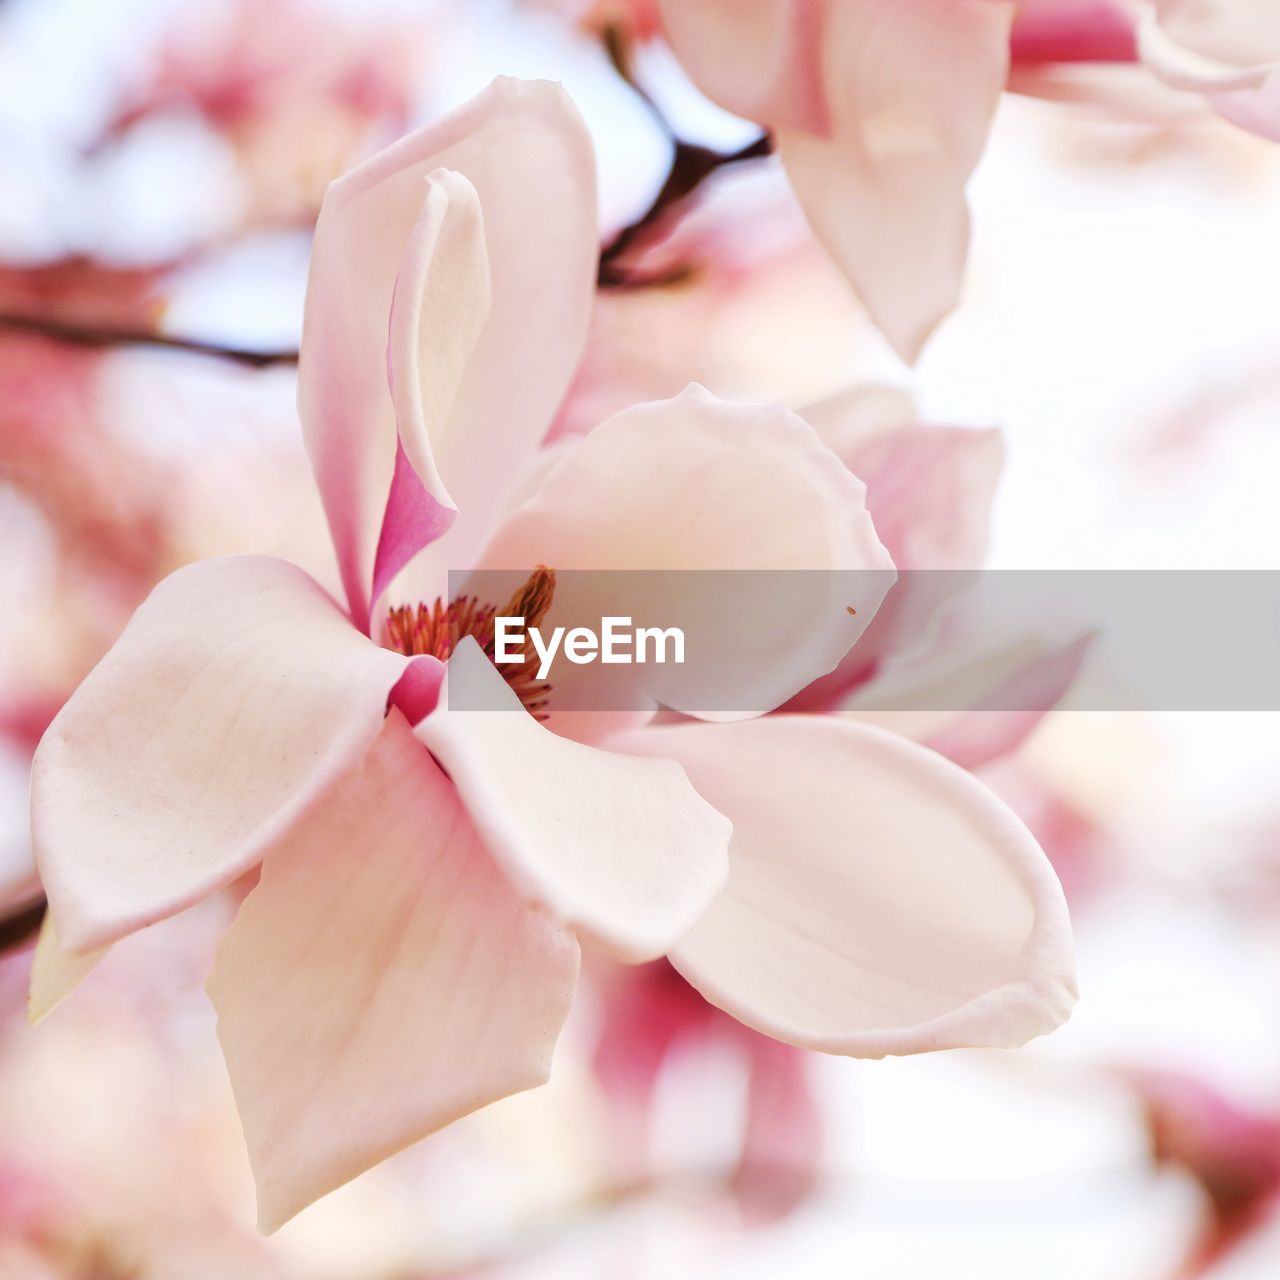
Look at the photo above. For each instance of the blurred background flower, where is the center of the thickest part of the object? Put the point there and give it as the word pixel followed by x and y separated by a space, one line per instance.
pixel 162 163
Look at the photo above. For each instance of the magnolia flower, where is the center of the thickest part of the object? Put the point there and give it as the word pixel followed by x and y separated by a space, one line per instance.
pixel 1225 51
pixel 293 89
pixel 880 110
pixel 427 874
pixel 651 1018
pixel 1229 50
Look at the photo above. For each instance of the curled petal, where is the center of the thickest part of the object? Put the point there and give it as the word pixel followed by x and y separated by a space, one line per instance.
pixel 624 849
pixel 880 899
pixel 1209 44
pixel 1226 49
pixel 440 304
pixel 381 981
pixel 236 694
pixel 473 395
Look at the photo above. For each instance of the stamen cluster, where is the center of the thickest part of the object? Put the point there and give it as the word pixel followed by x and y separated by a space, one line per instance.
pixel 437 630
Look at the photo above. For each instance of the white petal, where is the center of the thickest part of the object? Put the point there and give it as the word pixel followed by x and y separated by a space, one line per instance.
pixel 880 899
pixel 381 981
pixel 622 848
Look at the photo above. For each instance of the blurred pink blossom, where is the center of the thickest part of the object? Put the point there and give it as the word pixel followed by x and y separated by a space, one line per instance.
pixel 1227 52
pixel 1232 1149
pixel 650 1015
pixel 879 113
pixel 300 93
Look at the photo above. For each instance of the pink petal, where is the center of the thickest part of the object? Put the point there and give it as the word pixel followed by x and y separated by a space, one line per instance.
pixel 911 88
pixel 234 697
pixel 696 483
pixel 1228 50
pixel 930 492
pixel 647 1012
pixel 417 692
pixel 1051 31
pixel 857 415
pixel 1256 109
pixel 986 733
pixel 381 981
pixel 760 59
pixel 625 849
pixel 461 360
pixel 1207 40
pixel 971 708
pixel 881 110
pixel 779 1166
pixel 880 900
pixel 438 310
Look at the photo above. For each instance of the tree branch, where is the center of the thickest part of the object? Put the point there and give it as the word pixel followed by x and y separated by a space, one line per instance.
pixel 81 335
pixel 691 166
pixel 21 925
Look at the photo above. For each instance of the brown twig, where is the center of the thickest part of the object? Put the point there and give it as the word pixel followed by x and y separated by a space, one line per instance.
pixel 691 166
pixel 22 925
pixel 82 335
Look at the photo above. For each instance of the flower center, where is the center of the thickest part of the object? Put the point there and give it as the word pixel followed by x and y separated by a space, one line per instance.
pixel 415 630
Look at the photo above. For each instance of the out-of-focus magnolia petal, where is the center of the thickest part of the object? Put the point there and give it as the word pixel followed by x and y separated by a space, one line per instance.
pixel 1257 110
pixel 1210 43
pixel 489 394
pixel 1228 50
pixel 55 973
pixel 696 483
pixel 930 491
pixel 624 849
pixel 971 707
pixel 780 1162
pixel 1058 31
pixel 880 899
pixel 381 981
pixel 760 59
pixel 235 696
pixel 859 414
pixel 911 88
pixel 974 738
